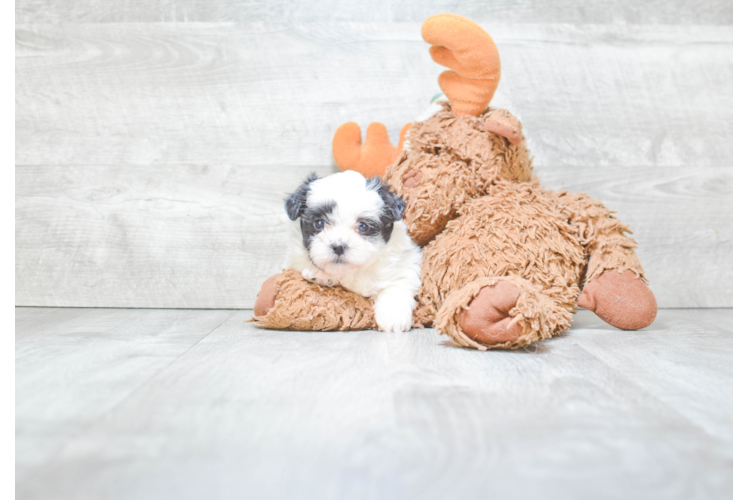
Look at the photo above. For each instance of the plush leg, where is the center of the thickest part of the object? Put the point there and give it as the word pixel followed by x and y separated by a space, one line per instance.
pixel 614 289
pixel 621 299
pixel 289 302
pixel 501 312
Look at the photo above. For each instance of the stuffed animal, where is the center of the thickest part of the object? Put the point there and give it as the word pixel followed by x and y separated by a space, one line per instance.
pixel 504 258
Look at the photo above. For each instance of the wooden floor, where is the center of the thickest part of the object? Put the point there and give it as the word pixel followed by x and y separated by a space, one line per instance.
pixel 183 404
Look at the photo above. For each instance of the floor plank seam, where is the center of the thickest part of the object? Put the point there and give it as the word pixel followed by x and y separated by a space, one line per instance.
pixel 644 389
pixel 160 371
pixel 54 456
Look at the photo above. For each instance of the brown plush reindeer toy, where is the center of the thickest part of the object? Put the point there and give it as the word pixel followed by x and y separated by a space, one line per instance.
pixel 503 257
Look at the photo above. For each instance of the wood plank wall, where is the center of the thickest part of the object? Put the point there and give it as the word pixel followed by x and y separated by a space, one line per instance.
pixel 156 139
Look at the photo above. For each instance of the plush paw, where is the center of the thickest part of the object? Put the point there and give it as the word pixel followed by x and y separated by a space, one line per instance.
pixel 266 297
pixel 487 319
pixel 320 277
pixel 621 299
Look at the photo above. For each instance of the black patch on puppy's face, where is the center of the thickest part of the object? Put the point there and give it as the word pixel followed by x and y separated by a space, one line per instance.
pixel 310 221
pixel 392 211
pixel 372 228
pixel 296 206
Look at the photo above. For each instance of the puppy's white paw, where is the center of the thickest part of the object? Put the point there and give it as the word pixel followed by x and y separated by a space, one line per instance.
pixel 393 309
pixel 320 277
pixel 393 319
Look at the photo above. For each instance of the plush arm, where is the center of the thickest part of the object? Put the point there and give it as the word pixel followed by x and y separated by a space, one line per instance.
pixel 287 301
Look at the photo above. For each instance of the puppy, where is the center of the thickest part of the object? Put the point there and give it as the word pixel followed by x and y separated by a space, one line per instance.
pixel 349 232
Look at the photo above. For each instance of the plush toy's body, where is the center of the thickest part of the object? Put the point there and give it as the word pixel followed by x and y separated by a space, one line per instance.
pixel 503 257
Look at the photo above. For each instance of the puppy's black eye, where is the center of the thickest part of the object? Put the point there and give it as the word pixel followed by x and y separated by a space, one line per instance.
pixel 319 224
pixel 362 227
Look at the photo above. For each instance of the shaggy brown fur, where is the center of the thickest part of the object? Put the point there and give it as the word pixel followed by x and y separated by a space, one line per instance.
pixel 514 231
pixel 457 161
pixel 482 217
pixel 301 305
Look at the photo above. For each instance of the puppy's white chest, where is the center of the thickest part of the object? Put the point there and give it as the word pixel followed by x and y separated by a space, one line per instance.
pixel 364 282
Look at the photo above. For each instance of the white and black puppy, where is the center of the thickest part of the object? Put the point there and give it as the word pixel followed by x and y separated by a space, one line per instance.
pixel 349 232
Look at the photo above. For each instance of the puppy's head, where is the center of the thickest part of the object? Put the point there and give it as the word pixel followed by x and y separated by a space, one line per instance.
pixel 345 219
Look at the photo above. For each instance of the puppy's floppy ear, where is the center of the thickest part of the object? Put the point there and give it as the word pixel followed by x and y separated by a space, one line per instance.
pixel 296 202
pixel 394 206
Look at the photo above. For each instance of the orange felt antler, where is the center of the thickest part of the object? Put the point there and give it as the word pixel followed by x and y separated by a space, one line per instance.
pixel 374 156
pixel 464 47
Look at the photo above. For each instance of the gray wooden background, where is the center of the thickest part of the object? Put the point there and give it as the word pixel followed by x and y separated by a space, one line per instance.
pixel 155 139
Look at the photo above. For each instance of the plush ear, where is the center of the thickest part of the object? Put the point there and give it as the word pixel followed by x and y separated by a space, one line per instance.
pixel 394 206
pixel 504 124
pixel 296 202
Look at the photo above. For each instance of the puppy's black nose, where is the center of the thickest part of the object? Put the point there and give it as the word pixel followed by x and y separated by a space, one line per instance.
pixel 338 248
